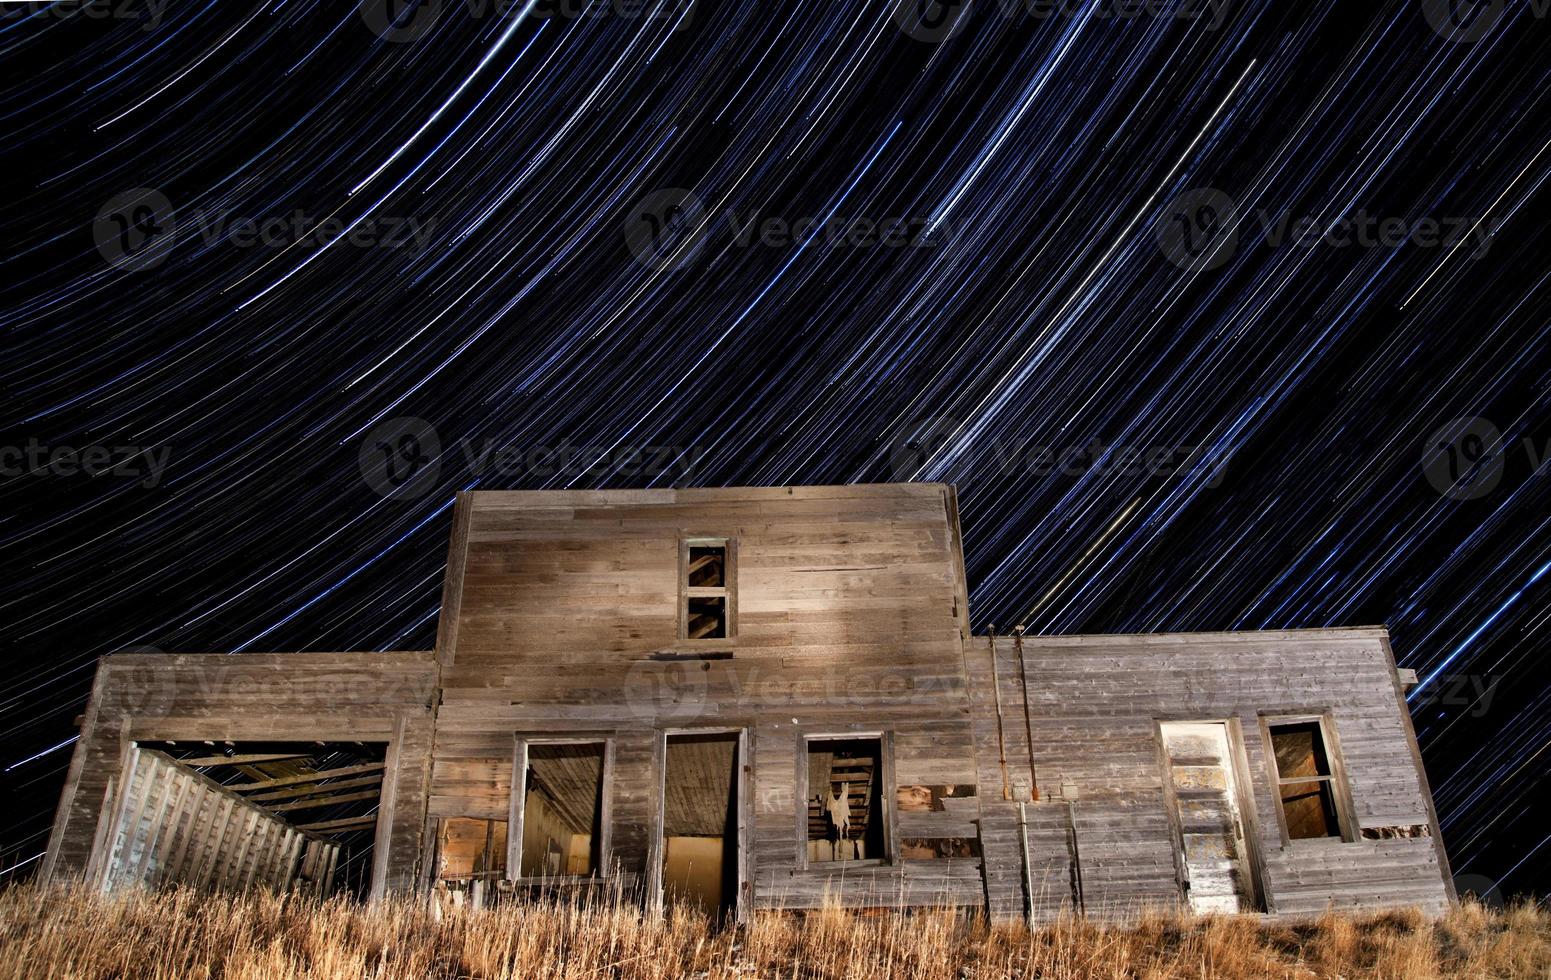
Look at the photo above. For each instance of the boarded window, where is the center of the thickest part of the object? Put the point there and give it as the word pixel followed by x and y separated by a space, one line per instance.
pixel 562 824
pixel 845 800
pixel 707 589
pixel 1306 788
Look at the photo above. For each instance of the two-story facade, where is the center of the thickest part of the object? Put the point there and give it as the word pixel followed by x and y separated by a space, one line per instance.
pixel 763 698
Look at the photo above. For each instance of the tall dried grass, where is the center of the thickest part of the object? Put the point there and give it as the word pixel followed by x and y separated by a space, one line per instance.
pixel 61 932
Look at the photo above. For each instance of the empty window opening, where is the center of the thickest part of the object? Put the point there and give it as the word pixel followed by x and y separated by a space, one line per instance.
pixel 700 844
pixel 292 817
pixel 470 858
pixel 562 826
pixel 1306 789
pixel 707 590
pixel 845 800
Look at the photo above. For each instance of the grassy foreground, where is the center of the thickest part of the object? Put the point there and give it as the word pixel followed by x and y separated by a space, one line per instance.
pixel 65 933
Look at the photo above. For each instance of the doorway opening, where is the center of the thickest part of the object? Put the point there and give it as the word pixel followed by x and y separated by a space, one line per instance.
pixel 563 818
pixel 700 844
pixel 1203 771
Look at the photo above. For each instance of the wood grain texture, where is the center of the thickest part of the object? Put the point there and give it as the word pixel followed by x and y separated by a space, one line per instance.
pixel 562 618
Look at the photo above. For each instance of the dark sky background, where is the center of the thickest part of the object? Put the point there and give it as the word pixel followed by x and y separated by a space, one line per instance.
pixel 1220 316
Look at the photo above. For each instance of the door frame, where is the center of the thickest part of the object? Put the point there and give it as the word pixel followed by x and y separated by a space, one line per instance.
pixel 743 896
pixel 517 804
pixel 1248 845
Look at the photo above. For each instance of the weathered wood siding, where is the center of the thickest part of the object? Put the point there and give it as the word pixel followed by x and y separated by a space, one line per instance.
pixel 1094 704
pixel 171 825
pixel 850 609
pixel 370 697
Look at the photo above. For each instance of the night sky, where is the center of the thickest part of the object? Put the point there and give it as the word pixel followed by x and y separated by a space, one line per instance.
pixel 1220 315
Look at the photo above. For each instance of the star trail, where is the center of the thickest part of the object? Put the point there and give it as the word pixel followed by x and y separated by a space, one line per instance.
pixel 1220 314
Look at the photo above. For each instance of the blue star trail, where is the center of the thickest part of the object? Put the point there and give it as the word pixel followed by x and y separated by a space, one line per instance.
pixel 1223 315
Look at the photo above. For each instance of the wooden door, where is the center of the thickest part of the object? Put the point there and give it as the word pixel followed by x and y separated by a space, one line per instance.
pixel 1213 852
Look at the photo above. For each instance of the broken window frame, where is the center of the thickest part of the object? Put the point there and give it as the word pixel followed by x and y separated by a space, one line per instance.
pixel 518 805
pixel 1340 791
pixel 727 591
pixel 886 803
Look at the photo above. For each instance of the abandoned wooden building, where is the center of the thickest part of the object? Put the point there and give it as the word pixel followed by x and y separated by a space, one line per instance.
pixel 761 698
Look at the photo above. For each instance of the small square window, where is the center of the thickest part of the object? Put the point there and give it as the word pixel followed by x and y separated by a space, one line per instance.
pixel 708 566
pixel 707 618
pixel 1306 784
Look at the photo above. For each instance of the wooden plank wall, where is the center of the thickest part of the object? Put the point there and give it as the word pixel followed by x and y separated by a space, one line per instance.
pixel 173 825
pixel 370 697
pixel 1094 703
pixel 850 616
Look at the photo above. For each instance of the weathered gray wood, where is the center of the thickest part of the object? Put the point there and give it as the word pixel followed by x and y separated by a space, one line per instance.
pixel 847 612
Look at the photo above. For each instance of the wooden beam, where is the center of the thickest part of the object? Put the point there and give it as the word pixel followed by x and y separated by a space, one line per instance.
pixel 313 804
pixel 347 823
pixel 242 760
pixel 291 794
pixel 307 777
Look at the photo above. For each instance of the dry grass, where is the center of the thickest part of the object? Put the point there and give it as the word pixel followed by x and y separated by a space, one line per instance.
pixel 66 933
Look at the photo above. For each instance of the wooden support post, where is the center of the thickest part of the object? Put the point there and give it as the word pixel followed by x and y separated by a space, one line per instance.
pixel 1028 870
pixel 382 843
